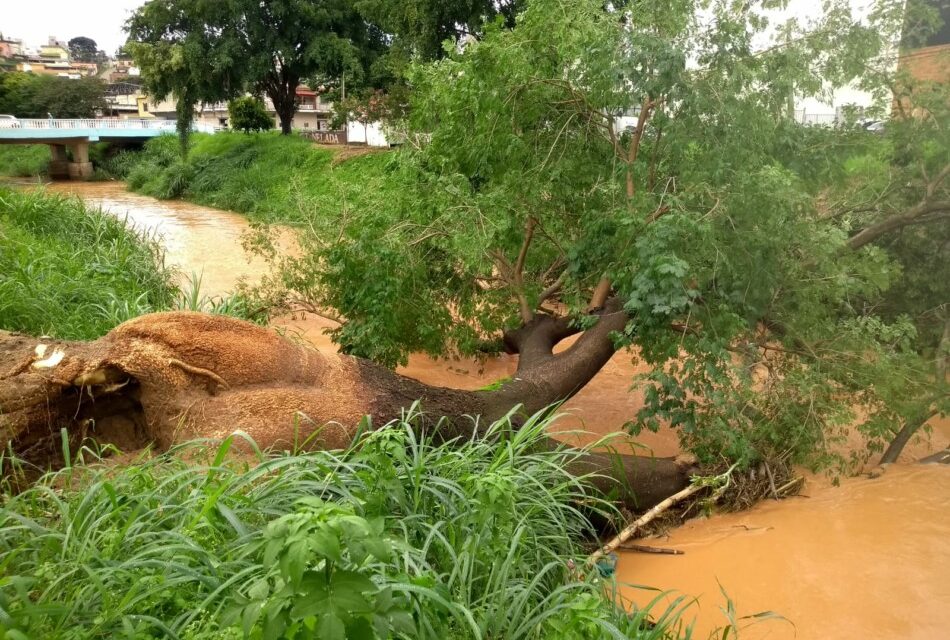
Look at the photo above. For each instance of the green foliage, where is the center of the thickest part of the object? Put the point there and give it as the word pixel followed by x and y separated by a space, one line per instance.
pixel 28 95
pixel 114 163
pixel 181 55
pixel 725 230
pixel 395 537
pixel 83 49
pixel 238 304
pixel 421 28
pixel 203 51
pixel 272 178
pixel 249 114
pixel 73 272
pixel 307 39
pixel 23 160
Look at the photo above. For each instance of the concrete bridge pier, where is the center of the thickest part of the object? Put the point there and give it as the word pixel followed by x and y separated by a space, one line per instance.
pixel 79 168
pixel 58 163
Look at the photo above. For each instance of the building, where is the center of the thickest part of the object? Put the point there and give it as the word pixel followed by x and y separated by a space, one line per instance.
pixel 54 50
pixel 127 99
pixel 10 47
pixel 50 59
pixel 313 114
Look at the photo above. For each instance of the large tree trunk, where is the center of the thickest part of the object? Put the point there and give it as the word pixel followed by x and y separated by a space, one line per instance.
pixel 168 377
pixel 282 91
pixel 912 425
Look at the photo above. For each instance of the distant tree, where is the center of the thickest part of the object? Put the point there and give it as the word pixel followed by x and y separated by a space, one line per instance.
pixel 249 114
pixel 83 49
pixel 207 51
pixel 286 41
pixel 31 96
pixel 188 49
pixel 16 93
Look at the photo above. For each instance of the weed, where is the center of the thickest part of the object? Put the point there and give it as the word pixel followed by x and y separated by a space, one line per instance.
pixel 395 537
pixel 70 271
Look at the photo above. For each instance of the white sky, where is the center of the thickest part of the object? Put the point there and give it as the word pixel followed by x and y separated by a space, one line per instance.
pixel 34 22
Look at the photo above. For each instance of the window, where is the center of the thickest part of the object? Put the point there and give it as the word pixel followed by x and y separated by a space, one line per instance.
pixel 145 107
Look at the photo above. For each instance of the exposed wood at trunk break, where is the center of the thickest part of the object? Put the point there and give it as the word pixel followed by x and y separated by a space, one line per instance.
pixel 170 377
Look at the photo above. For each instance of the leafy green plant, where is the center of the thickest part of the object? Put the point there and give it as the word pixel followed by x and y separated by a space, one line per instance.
pixel 238 305
pixel 320 584
pixel 23 161
pixel 249 114
pixel 70 271
pixel 395 537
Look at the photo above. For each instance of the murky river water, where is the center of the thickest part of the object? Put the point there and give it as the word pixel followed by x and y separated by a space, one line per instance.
pixel 869 559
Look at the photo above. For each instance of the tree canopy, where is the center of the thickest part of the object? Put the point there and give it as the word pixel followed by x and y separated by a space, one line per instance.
pixel 754 262
pixel 183 50
pixel 203 51
pixel 83 49
pixel 249 114
pixel 420 28
pixel 28 95
pixel 288 41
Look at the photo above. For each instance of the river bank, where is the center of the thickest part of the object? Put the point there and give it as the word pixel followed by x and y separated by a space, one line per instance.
pixel 788 556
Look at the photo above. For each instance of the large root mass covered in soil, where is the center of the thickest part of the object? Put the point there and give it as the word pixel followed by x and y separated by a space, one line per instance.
pixel 169 377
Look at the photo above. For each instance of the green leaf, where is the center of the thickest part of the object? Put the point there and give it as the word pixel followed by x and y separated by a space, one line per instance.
pixel 331 627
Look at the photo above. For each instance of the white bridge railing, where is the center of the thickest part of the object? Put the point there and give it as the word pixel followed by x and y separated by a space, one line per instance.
pixel 93 123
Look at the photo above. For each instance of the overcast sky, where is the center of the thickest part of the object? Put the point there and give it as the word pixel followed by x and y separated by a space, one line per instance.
pixel 34 22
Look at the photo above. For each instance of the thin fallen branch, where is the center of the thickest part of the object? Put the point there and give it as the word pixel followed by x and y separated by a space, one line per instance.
pixel 719 482
pixel 642 548
pixel 788 486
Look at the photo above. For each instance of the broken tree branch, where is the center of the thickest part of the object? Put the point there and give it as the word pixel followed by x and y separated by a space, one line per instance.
pixel 719 482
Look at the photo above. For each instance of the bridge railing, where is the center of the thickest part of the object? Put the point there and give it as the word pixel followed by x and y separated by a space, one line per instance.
pixel 94 123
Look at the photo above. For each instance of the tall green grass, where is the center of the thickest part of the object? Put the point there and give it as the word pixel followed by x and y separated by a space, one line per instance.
pixel 73 272
pixel 270 177
pixel 23 161
pixel 395 537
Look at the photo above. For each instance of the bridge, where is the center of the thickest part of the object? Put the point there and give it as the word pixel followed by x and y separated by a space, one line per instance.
pixel 77 134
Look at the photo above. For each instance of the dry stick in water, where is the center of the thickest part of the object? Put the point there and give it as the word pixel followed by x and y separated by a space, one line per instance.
pixel 631 529
pixel 720 482
pixel 642 548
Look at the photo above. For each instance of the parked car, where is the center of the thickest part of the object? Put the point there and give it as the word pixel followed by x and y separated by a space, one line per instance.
pixel 9 122
pixel 875 126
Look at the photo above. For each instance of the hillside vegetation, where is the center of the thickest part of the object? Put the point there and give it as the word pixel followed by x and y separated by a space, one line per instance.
pixel 23 161
pixel 74 272
pixel 269 177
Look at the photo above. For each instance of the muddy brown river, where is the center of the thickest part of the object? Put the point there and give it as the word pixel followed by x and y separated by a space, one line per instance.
pixel 869 559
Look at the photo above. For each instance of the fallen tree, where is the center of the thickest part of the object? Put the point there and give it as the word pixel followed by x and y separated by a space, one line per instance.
pixel 782 281
pixel 170 377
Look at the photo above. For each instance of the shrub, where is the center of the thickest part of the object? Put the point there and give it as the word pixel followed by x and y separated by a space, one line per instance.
pixel 270 177
pixel 249 114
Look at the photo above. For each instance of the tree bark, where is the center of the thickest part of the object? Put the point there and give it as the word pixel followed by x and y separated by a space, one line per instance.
pixel 281 88
pixel 168 377
pixel 914 424
pixel 924 212
pixel 903 436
